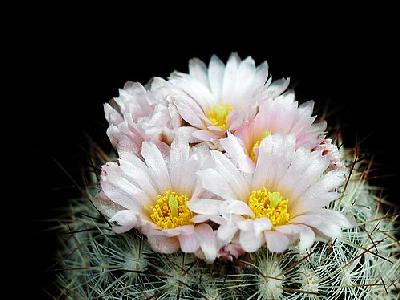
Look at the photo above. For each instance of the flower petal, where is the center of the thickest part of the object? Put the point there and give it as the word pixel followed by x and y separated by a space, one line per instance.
pixel 189 243
pixel 124 220
pixel 276 241
pixel 237 153
pixel 164 244
pixel 214 182
pixel 275 155
pixel 250 241
pixel 157 166
pixel 207 240
pixel 205 206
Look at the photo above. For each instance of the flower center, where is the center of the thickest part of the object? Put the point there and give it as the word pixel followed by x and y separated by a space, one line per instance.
pixel 170 210
pixel 218 115
pixel 254 149
pixel 270 205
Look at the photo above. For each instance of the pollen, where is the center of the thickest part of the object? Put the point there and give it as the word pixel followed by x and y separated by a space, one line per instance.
pixel 270 205
pixel 256 145
pixel 170 210
pixel 218 115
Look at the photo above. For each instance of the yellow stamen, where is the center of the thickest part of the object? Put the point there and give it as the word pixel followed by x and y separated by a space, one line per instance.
pixel 218 115
pixel 256 145
pixel 170 210
pixel 270 205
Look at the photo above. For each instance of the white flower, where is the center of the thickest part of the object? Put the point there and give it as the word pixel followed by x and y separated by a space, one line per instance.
pixel 220 98
pixel 139 115
pixel 281 115
pixel 280 202
pixel 152 196
pixel 332 152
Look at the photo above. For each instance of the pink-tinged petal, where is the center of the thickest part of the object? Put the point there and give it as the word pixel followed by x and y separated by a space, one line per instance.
pixel 275 89
pixel 233 177
pixel 205 135
pixel 204 218
pixel 304 233
pixel 125 138
pixel 162 244
pixel 157 165
pixel 237 207
pixel 216 71
pixel 306 169
pixel 275 155
pixel 321 193
pixel 205 206
pixel 307 238
pixel 246 225
pixel 226 232
pixel 106 206
pixel 189 243
pixel 179 155
pixel 137 176
pixel 261 75
pixel 236 119
pixel 190 111
pixel 207 240
pixel 185 230
pixel 124 220
pixel 187 133
pixel 229 82
pixel 276 241
pixel 335 216
pixel 193 88
pixel 230 251
pixel 237 153
pixel 261 225
pixel 120 190
pixel 327 227
pixel 250 241
pixel 112 115
pixel 255 225
pixel 214 182
pixel 198 70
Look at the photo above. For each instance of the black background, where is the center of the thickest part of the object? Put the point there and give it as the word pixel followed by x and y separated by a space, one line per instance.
pixel 80 65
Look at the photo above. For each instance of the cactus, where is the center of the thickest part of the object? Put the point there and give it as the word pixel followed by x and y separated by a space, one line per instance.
pixel 95 263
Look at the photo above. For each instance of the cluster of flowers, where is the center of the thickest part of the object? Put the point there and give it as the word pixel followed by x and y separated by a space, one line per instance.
pixel 219 162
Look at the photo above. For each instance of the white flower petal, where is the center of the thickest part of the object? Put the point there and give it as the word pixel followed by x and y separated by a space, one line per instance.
pixel 156 163
pixel 189 243
pixel 205 206
pixel 214 182
pixel 198 70
pixel 305 234
pixel 275 155
pixel 233 177
pixel 327 227
pixel 162 244
pixel 321 193
pixel 124 220
pixel 250 241
pixel 276 241
pixel 120 190
pixel 207 240
pixel 216 71
pixel 237 207
pixel 237 153
pixel 226 232
pixel 205 135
